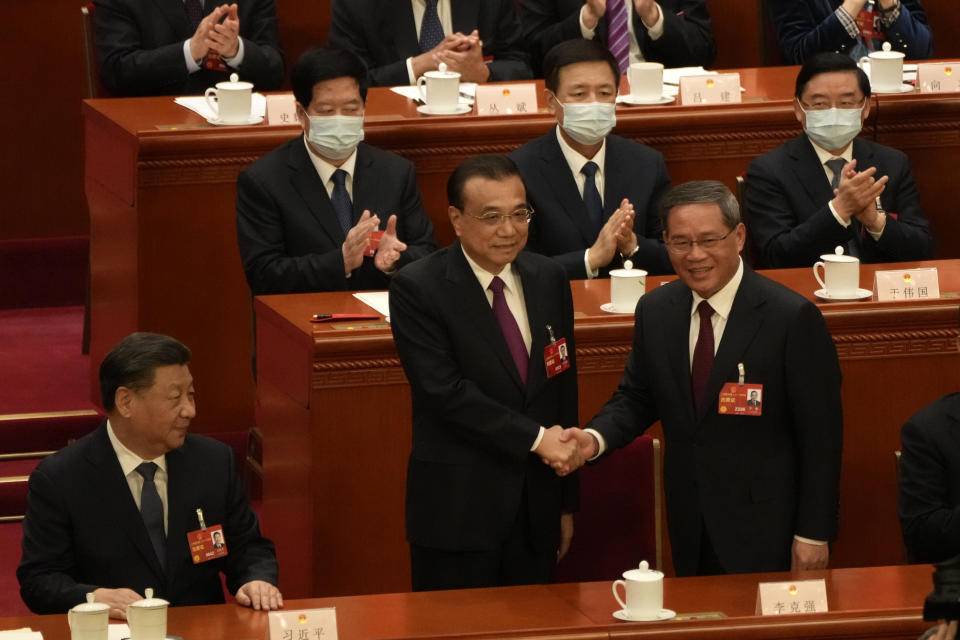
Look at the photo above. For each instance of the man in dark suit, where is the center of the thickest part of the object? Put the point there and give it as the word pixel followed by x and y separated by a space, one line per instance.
pixel 827 187
pixel 808 27
pixel 172 47
pixel 400 40
pixel 929 502
pixel 308 211
pixel 110 514
pixel 677 33
pixel 478 327
pixel 595 194
pixel 746 490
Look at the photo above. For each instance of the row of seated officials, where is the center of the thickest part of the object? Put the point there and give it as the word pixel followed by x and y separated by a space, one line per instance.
pixel 745 493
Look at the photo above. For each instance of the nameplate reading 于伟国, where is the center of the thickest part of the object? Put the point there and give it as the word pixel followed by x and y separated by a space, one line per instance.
pixel 784 598
pixel 281 109
pixel 312 624
pixel 938 77
pixel 906 284
pixel 506 99
pixel 719 88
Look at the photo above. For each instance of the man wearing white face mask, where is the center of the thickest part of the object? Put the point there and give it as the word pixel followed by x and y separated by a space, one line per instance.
pixel 595 194
pixel 310 213
pixel 827 187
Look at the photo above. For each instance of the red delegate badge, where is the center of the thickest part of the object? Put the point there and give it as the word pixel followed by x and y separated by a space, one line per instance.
pixel 741 399
pixel 207 544
pixel 556 358
pixel 373 243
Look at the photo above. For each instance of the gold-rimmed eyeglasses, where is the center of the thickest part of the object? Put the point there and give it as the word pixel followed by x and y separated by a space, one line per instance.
pixel 684 246
pixel 493 218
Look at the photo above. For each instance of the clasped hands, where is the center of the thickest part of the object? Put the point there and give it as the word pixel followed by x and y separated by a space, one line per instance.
pixel 461 53
pixel 856 196
pixel 566 450
pixel 615 235
pixel 212 35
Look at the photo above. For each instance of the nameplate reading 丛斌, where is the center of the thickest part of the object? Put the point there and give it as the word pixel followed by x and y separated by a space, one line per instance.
pixel 281 109
pixel 907 284
pixel 311 624
pixel 719 88
pixel 938 77
pixel 506 99
pixel 784 598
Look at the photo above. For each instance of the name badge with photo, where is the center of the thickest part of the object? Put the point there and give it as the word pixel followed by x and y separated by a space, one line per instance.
pixel 741 399
pixel 556 358
pixel 207 544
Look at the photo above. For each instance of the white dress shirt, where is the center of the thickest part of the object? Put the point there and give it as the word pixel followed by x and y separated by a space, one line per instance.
pixel 847 156
pixel 325 170
pixel 576 160
pixel 446 21
pixel 129 461
pixel 654 31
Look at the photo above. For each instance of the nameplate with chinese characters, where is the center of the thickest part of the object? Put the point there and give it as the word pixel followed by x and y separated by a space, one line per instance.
pixel 785 598
pixel 938 77
pixel 719 88
pixel 281 109
pixel 306 624
pixel 908 284
pixel 506 99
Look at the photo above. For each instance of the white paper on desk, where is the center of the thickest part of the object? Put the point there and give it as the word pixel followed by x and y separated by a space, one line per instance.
pixel 413 92
pixel 672 76
pixel 198 104
pixel 118 631
pixel 21 634
pixel 378 300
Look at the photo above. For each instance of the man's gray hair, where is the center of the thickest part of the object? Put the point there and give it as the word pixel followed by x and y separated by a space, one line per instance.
pixel 701 192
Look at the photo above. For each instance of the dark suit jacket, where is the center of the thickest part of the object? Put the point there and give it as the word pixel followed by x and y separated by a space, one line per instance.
pixel 929 503
pixel 790 220
pixel 473 420
pixel 383 33
pixel 687 38
pixel 753 482
pixel 140 47
pixel 560 227
pixel 807 27
pixel 290 238
pixel 83 529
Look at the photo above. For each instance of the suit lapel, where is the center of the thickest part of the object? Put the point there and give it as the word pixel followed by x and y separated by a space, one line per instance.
pixel 362 171
pixel 537 317
pixel 474 305
pixel 556 172
pixel 177 511
pixel 616 184
pixel 809 171
pixel 399 22
pixel 676 333
pixel 106 469
pixel 308 184
pixel 466 16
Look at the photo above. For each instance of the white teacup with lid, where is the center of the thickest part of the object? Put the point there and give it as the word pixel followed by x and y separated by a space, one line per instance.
pixel 233 100
pixel 643 588
pixel 440 89
pixel 89 620
pixel 147 618
pixel 841 273
pixel 886 69
pixel 626 287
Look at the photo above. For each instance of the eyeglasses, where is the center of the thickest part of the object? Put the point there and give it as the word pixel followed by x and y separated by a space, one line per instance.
pixel 823 105
pixel 684 246
pixel 494 218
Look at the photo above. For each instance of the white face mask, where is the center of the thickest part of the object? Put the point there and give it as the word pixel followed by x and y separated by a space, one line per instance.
pixel 335 137
pixel 588 122
pixel 833 128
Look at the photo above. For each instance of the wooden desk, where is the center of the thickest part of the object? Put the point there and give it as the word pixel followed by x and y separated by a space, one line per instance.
pixel 334 412
pixel 161 184
pixel 865 603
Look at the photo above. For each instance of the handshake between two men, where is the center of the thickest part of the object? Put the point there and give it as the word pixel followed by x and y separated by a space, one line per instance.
pixel 566 450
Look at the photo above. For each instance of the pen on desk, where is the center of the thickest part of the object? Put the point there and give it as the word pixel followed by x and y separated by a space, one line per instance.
pixel 333 317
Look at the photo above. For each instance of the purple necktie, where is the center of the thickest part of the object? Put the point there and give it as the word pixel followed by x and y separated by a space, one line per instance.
pixel 509 328
pixel 618 35
pixel 702 355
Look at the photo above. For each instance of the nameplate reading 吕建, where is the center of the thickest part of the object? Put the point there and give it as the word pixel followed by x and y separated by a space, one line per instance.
pixel 719 88
pixel 306 624
pixel 506 99
pixel 784 598
pixel 906 284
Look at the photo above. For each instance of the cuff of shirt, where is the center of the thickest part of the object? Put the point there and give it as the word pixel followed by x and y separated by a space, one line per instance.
pixel 849 22
pixel 843 223
pixel 536 443
pixel 588 34
pixel 819 543
pixel 601 443
pixel 657 29
pixel 192 65
pixel 236 60
pixel 410 76
pixel 591 273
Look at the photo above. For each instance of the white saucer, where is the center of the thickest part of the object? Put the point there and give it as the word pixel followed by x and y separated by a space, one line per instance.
pixel 608 307
pixel 629 99
pixel 859 294
pixel 904 88
pixel 665 614
pixel 460 110
pixel 251 120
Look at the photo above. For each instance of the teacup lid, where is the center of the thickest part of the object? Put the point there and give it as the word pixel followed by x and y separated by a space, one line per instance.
pixel 90 606
pixel 235 84
pixel 837 256
pixel 643 574
pixel 149 602
pixel 442 72
pixel 886 54
pixel 628 271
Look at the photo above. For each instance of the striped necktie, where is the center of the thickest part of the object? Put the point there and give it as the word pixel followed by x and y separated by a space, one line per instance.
pixel 618 34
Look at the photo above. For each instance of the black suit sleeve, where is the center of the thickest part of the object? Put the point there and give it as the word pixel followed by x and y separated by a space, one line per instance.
pixel 802 32
pixel 545 25
pixel 413 224
pixel 48 563
pixel 570 414
pixel 911 32
pixel 687 38
pixel 262 57
pixel 347 32
pixel 907 236
pixel 260 235
pixel 505 44
pixel 251 556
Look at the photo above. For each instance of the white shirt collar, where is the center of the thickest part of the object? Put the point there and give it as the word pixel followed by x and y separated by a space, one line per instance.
pixel 508 275
pixel 129 461
pixel 324 168
pixel 722 301
pixel 825 155
pixel 576 160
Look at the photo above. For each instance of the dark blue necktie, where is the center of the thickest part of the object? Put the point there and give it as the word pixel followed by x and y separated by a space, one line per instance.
pixel 591 197
pixel 340 199
pixel 151 510
pixel 431 31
